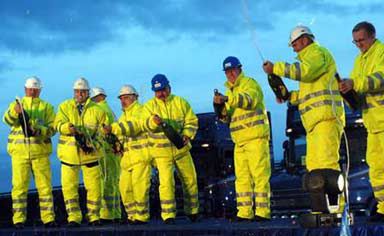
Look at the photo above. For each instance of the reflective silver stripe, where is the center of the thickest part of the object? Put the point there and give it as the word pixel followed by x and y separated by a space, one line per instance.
pixel 371 83
pixel 23 209
pixel 45 199
pixel 192 204
pixel 69 143
pixel 378 188
pixel 130 139
pixel 19 200
pixel 17 132
pixel 130 126
pixel 163 145
pixel 10 140
pixel 6 118
pixel 131 212
pixel 380 77
pixel 93 211
pixel 244 194
pixel 130 205
pixel 241 101
pixel 287 70
pixel 143 212
pixel 137 147
pixel 123 130
pixel 157 136
pixel 317 94
pixel 380 198
pixel 166 202
pixel 298 71
pixel 71 201
pixel 261 195
pixel 192 196
pixel 46 208
pixel 248 115
pixel 261 204
pixel 247 125
pixel 169 210
pixel 141 204
pixel 90 202
pixel 31 141
pixel 246 203
pixel 375 94
pixel 318 104
pixel 249 100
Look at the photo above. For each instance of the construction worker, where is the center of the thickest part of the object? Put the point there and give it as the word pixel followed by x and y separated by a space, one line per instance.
pixel 135 178
pixel 175 112
pixel 29 144
pixel 249 126
pixel 110 210
pixel 367 79
pixel 78 121
pixel 321 110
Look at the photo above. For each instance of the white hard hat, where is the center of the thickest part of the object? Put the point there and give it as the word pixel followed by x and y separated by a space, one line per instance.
pixel 126 90
pixel 33 82
pixel 299 31
pixel 81 84
pixel 97 91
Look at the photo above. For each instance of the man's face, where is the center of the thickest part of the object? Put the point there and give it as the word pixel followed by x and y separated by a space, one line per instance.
pixel 163 94
pixel 99 98
pixel 362 40
pixel 81 95
pixel 232 74
pixel 127 99
pixel 299 44
pixel 32 92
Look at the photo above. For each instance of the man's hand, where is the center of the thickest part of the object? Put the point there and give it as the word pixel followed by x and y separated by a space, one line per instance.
pixel 107 129
pixel 279 100
pixel 186 140
pixel 17 108
pixel 72 129
pixel 220 99
pixel 157 119
pixel 268 67
pixel 346 85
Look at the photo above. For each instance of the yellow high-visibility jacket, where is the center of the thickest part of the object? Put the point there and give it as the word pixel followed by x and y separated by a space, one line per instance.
pixel 368 78
pixel 42 116
pixel 245 106
pixel 177 112
pixel 318 96
pixel 110 118
pixel 90 122
pixel 131 131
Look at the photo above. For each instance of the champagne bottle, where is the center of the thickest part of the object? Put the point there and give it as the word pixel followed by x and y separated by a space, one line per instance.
pixel 351 97
pixel 278 87
pixel 172 135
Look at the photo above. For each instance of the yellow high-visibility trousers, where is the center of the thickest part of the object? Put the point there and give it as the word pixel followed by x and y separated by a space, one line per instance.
pixel 135 182
pixel 323 144
pixel 375 160
pixel 187 174
pixel 110 201
pixel 21 173
pixel 70 187
pixel 253 170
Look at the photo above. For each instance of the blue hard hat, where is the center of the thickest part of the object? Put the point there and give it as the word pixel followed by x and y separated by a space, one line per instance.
pixel 231 62
pixel 159 82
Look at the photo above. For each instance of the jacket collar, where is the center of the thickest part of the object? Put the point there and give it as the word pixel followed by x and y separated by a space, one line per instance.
pixel 307 49
pixel 371 49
